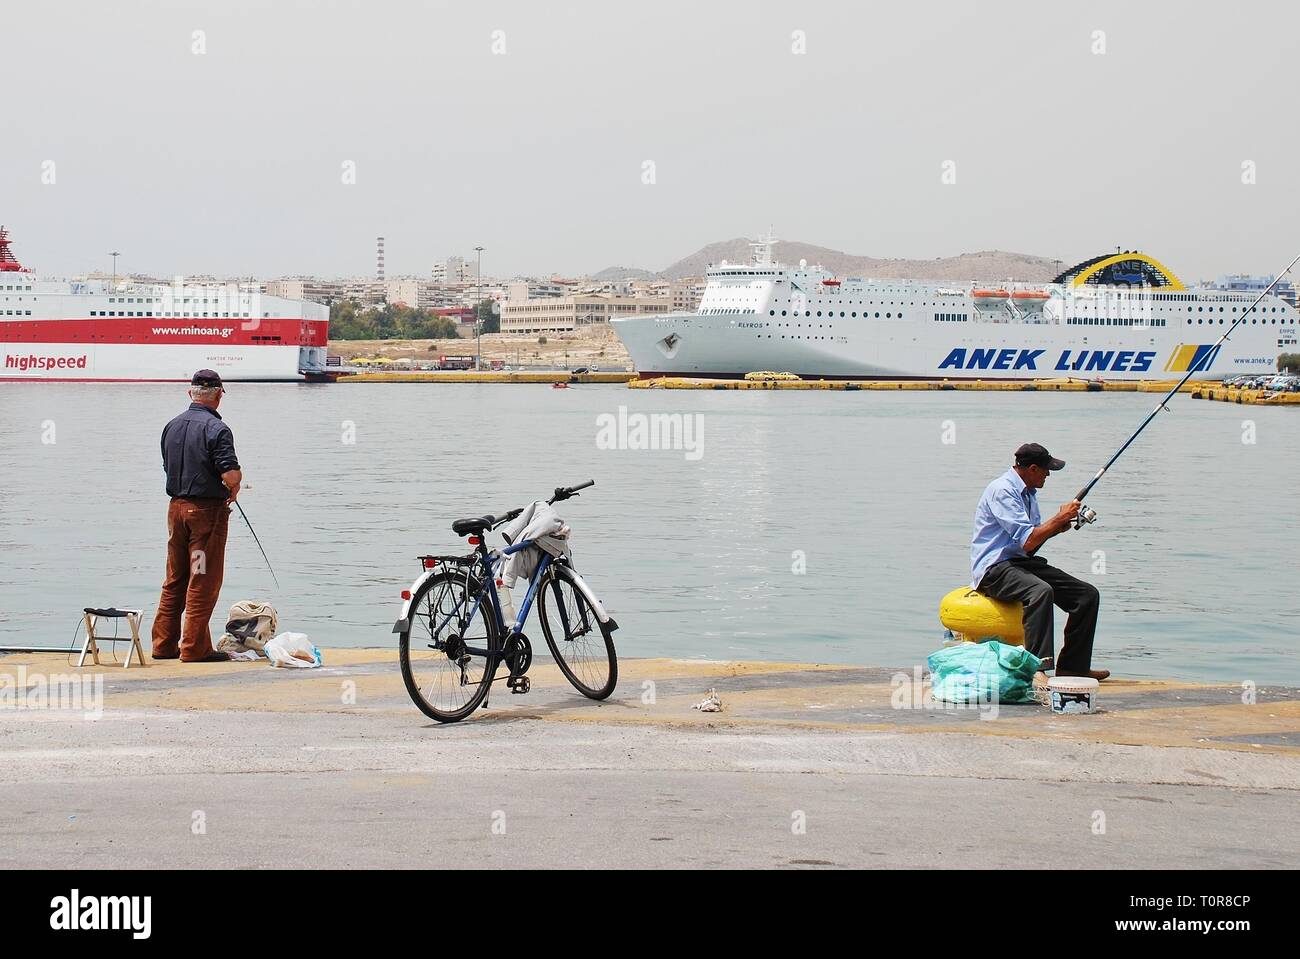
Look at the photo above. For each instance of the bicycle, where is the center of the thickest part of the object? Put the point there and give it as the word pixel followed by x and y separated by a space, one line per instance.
pixel 453 634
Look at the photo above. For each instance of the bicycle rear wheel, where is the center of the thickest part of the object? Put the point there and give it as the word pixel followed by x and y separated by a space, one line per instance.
pixel 582 645
pixel 449 657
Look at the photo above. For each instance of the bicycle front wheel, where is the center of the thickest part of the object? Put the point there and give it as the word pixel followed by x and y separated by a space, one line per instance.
pixel 582 645
pixel 449 650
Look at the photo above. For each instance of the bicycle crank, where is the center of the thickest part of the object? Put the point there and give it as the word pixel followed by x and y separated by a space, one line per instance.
pixel 518 656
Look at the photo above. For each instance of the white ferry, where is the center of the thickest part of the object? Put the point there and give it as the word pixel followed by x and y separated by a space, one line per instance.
pixel 1121 316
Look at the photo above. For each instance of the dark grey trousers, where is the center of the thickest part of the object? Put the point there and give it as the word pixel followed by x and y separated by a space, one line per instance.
pixel 1031 581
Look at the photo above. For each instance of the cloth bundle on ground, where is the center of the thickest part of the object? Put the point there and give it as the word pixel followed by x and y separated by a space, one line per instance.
pixel 538 522
pixel 990 672
pixel 251 626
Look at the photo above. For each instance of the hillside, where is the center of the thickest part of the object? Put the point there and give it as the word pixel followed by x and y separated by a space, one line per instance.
pixel 623 273
pixel 985 265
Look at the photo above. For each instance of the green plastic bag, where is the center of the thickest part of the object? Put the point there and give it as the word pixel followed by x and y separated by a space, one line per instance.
pixel 990 672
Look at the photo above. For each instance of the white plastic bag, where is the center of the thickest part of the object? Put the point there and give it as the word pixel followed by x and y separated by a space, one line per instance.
pixel 292 649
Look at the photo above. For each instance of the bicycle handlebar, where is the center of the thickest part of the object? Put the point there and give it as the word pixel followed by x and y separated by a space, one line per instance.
pixel 561 493
pixel 564 492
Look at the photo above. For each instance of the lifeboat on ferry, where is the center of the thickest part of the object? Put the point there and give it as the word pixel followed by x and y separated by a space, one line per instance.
pixel 831 283
pixel 1030 301
pixel 990 299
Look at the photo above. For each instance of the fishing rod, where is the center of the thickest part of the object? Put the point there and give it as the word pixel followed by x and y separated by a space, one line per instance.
pixel 258 542
pixel 1087 514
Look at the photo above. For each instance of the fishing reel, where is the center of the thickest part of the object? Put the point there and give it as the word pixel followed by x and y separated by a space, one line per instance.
pixel 1085 516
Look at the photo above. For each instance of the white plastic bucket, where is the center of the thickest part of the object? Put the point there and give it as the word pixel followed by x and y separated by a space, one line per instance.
pixel 1072 694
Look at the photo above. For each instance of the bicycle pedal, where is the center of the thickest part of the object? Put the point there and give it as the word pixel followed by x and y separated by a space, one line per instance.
pixel 521 686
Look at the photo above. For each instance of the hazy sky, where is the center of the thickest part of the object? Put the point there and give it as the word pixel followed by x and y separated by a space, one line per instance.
pixel 231 161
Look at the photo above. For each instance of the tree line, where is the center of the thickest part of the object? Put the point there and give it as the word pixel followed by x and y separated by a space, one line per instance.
pixel 352 321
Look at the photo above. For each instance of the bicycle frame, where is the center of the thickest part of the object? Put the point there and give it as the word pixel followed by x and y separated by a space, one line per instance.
pixel 602 615
pixel 490 587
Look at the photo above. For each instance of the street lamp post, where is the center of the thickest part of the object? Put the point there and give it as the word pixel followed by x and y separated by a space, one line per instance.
pixel 114 255
pixel 478 320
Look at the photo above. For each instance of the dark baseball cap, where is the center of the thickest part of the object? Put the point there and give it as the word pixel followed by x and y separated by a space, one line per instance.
pixel 1034 454
pixel 209 378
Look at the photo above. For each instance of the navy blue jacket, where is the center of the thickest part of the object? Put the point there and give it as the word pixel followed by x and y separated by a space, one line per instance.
pixel 197 447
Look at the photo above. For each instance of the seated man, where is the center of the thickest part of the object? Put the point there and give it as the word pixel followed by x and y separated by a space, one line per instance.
pixel 1009 530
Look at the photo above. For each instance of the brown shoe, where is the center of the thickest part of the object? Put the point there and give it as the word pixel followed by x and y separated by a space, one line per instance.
pixel 1097 674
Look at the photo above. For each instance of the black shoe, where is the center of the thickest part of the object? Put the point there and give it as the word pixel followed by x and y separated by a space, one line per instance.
pixel 215 657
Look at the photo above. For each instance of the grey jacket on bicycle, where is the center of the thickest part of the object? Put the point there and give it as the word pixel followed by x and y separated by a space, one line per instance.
pixel 538 522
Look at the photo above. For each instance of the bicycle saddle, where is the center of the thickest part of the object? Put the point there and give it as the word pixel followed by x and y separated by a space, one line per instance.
pixel 476 524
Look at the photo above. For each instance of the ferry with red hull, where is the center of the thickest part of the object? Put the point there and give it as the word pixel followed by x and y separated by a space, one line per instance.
pixel 95 331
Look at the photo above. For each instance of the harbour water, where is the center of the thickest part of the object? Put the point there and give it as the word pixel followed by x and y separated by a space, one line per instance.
pixel 818 527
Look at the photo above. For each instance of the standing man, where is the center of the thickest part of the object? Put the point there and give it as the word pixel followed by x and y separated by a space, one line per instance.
pixel 203 478
pixel 1009 530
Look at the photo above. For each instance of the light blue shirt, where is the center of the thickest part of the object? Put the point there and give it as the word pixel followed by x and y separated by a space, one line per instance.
pixel 1006 515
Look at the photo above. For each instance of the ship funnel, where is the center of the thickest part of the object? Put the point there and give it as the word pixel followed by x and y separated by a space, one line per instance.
pixel 8 264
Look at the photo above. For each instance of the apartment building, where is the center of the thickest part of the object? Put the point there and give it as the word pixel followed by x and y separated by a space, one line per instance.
pixel 565 314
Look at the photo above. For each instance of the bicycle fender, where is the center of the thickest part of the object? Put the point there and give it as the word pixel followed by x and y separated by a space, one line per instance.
pixel 596 604
pixel 404 621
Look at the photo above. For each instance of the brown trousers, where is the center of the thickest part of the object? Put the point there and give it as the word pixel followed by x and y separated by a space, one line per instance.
pixel 196 562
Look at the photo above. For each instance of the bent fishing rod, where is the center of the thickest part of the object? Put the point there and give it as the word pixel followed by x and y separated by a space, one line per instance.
pixel 257 541
pixel 1088 515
